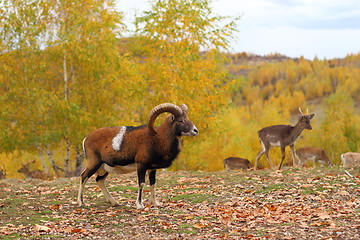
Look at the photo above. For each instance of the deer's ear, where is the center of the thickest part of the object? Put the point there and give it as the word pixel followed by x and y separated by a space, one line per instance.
pixel 312 115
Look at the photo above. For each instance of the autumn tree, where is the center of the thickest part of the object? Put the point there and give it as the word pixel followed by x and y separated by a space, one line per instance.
pixel 24 96
pixel 84 41
pixel 340 131
pixel 60 61
pixel 180 43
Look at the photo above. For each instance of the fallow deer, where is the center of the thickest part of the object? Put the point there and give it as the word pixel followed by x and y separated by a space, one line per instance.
pixel 350 159
pixel 31 174
pixel 282 136
pixel 233 163
pixel 2 173
pixel 314 154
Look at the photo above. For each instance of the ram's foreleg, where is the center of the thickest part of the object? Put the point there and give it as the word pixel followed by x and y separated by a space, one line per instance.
pixel 141 171
pixel 152 179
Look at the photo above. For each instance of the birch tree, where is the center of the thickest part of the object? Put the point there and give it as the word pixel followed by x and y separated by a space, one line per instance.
pixel 57 59
pixel 180 45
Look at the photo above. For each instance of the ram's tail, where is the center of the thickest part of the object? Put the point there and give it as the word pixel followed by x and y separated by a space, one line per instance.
pixel 83 146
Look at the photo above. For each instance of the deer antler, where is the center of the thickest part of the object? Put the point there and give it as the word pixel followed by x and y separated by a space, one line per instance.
pixel 301 112
pixel 307 111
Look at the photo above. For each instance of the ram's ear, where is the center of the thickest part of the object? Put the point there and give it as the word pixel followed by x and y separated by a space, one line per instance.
pixel 171 118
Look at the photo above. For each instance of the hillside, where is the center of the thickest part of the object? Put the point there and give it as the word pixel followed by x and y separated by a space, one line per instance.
pixel 274 73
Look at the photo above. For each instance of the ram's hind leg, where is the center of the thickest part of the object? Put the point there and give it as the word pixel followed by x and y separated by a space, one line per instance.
pixel 84 177
pixel 83 180
pixel 100 180
pixel 93 163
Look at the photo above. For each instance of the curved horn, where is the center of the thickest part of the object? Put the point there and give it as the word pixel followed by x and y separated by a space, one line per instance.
pixel 164 107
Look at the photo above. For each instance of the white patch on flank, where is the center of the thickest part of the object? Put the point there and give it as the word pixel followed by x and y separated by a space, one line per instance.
pixel 119 169
pixel 275 144
pixel 117 140
pixel 312 158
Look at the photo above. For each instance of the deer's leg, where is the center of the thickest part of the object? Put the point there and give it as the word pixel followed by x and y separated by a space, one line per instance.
pixel 267 149
pixel 282 156
pixel 295 160
pixel 315 162
pixel 301 162
pixel 260 153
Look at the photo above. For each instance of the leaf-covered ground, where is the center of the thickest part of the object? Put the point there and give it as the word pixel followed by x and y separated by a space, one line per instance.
pixel 289 204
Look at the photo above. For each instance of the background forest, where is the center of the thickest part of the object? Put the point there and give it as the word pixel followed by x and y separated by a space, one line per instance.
pixel 70 67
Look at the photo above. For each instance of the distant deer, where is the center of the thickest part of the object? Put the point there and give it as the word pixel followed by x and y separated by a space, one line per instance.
pixel 282 136
pixel 31 174
pixel 2 173
pixel 232 163
pixel 315 154
pixel 350 159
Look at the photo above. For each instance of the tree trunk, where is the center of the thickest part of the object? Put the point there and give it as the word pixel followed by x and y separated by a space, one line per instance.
pixel 46 170
pixel 67 157
pixel 79 161
pixel 79 157
pixel 55 167
pixel 66 87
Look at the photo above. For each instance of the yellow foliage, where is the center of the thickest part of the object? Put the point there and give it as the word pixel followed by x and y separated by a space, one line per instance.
pixel 12 162
pixel 164 61
pixel 232 133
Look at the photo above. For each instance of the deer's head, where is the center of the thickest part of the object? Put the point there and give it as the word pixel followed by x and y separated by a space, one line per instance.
pixel 304 119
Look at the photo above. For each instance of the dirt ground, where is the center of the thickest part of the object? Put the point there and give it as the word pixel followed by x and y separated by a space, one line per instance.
pixel 321 203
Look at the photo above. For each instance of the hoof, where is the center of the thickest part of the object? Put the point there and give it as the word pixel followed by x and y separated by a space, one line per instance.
pixel 114 203
pixel 156 204
pixel 139 206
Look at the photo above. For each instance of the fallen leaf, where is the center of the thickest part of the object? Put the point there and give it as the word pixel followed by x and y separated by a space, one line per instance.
pixel 343 193
pixel 323 215
pixel 41 228
pixel 199 225
pixel 55 207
